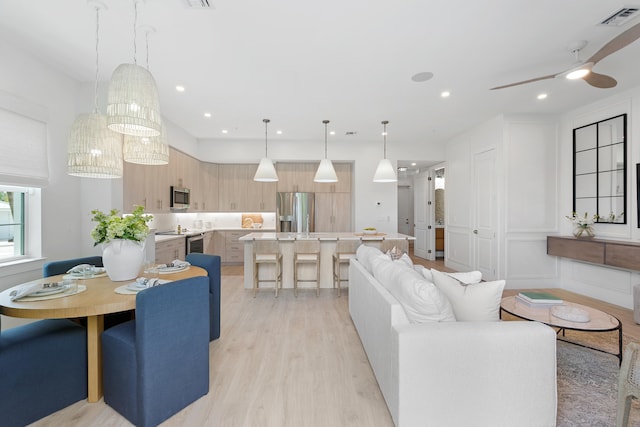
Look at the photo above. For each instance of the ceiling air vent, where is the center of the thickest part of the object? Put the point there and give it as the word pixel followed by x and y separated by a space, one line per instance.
pixel 621 17
pixel 197 4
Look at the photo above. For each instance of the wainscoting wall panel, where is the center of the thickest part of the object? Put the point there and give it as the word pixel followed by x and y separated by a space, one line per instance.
pixel 527 259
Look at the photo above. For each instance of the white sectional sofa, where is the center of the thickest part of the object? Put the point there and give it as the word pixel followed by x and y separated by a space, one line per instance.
pixel 455 373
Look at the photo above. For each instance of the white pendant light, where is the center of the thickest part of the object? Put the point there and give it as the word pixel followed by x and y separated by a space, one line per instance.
pixel 133 106
pixel 385 171
pixel 93 150
pixel 266 172
pixel 325 172
pixel 147 150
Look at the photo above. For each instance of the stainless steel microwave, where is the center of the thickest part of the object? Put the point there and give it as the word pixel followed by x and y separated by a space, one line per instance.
pixel 180 198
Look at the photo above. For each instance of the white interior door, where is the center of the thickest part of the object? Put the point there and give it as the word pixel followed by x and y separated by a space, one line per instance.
pixel 422 215
pixel 485 251
pixel 405 210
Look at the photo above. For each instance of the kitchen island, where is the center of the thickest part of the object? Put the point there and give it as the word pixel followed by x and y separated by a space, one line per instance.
pixel 327 249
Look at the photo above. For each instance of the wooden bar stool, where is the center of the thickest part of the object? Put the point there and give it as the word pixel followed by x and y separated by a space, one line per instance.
pixel 345 250
pixel 306 251
pixel 267 252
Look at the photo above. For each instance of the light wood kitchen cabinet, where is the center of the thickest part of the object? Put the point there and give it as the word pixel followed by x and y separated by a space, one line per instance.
pixel 209 186
pixel 343 172
pixel 228 245
pixel 232 186
pixel 169 250
pixel 333 212
pixel 296 177
pixel 184 172
pixel 145 185
pixel 209 243
pixel 261 196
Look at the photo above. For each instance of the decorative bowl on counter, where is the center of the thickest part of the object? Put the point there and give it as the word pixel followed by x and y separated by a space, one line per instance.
pixel 369 230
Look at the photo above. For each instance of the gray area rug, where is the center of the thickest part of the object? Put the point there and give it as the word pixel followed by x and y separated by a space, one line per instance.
pixel 588 388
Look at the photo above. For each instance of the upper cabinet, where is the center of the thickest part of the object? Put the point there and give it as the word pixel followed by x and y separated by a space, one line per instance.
pixel 600 170
pixel 147 186
pixel 208 186
pixel 298 177
pixel 238 192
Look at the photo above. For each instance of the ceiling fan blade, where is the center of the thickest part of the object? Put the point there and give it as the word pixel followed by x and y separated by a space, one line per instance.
pixel 601 81
pixel 617 43
pixel 550 76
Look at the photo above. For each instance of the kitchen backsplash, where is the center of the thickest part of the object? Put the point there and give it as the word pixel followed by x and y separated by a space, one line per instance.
pixel 191 221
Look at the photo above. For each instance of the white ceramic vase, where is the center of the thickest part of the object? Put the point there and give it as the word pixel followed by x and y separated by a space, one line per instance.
pixel 122 259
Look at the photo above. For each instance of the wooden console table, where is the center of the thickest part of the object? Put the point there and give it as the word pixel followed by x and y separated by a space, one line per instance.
pixel 613 253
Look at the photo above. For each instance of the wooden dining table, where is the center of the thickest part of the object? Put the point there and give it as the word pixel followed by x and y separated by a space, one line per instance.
pixel 98 299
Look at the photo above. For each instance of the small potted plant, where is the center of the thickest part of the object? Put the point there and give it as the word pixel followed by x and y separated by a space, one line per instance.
pixel 122 238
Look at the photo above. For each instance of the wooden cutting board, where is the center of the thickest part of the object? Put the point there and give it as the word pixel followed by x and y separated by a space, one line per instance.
pixel 249 219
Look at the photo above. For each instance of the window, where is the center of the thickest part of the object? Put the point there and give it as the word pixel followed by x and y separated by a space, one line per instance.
pixel 12 223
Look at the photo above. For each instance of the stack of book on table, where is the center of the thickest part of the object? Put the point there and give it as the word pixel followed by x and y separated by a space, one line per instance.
pixel 538 299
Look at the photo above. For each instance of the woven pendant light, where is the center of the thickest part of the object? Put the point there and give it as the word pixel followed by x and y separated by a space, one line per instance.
pixel 133 106
pixel 94 151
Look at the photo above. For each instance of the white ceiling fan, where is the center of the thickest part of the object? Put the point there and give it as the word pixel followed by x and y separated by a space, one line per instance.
pixel 583 70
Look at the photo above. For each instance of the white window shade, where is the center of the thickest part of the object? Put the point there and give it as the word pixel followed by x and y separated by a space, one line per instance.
pixel 23 144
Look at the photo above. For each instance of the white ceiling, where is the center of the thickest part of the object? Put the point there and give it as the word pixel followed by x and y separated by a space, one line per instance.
pixel 351 62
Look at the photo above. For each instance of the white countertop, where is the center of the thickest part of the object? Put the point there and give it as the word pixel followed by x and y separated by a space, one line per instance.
pixel 193 232
pixel 329 236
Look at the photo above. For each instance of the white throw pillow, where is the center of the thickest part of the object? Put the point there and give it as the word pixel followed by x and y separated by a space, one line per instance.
pixel 475 302
pixel 420 299
pixel 467 277
pixel 404 260
pixel 366 254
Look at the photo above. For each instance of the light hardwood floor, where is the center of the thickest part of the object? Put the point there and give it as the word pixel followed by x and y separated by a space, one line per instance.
pixel 287 362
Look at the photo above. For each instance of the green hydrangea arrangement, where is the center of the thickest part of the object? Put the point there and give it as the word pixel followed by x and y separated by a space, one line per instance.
pixel 115 226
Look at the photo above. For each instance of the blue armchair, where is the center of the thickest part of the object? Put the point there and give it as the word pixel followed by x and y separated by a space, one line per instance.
pixel 54 268
pixel 43 368
pixel 211 263
pixel 157 364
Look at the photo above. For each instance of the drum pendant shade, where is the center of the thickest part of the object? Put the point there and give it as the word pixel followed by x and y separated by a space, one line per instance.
pixel 146 150
pixel 133 106
pixel 94 151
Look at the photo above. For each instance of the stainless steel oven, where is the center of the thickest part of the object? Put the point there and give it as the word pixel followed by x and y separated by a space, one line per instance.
pixel 195 243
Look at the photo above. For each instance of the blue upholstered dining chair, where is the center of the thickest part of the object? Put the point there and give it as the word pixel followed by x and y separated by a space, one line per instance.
pixel 157 364
pixel 43 368
pixel 211 263
pixel 54 268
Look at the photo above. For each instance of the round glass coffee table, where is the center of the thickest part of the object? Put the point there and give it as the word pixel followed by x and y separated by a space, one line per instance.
pixel 598 321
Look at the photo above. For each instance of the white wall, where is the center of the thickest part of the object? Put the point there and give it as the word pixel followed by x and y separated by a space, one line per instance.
pixel 608 284
pixel 27 78
pixel 526 197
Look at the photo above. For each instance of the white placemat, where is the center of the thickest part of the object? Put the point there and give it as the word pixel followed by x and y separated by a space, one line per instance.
pixel 67 293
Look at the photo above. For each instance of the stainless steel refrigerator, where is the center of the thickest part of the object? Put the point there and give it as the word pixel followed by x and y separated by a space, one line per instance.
pixel 295 212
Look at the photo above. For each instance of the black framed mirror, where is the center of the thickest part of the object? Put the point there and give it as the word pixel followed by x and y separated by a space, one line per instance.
pixel 600 170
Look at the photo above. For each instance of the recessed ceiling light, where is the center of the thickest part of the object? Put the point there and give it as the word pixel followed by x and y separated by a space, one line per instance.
pixel 542 96
pixel 445 94
pixel 402 169
pixel 207 115
pixel 225 131
pixel 332 132
pixel 180 88
pixel 279 132
pixel 422 77
pixel 413 163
